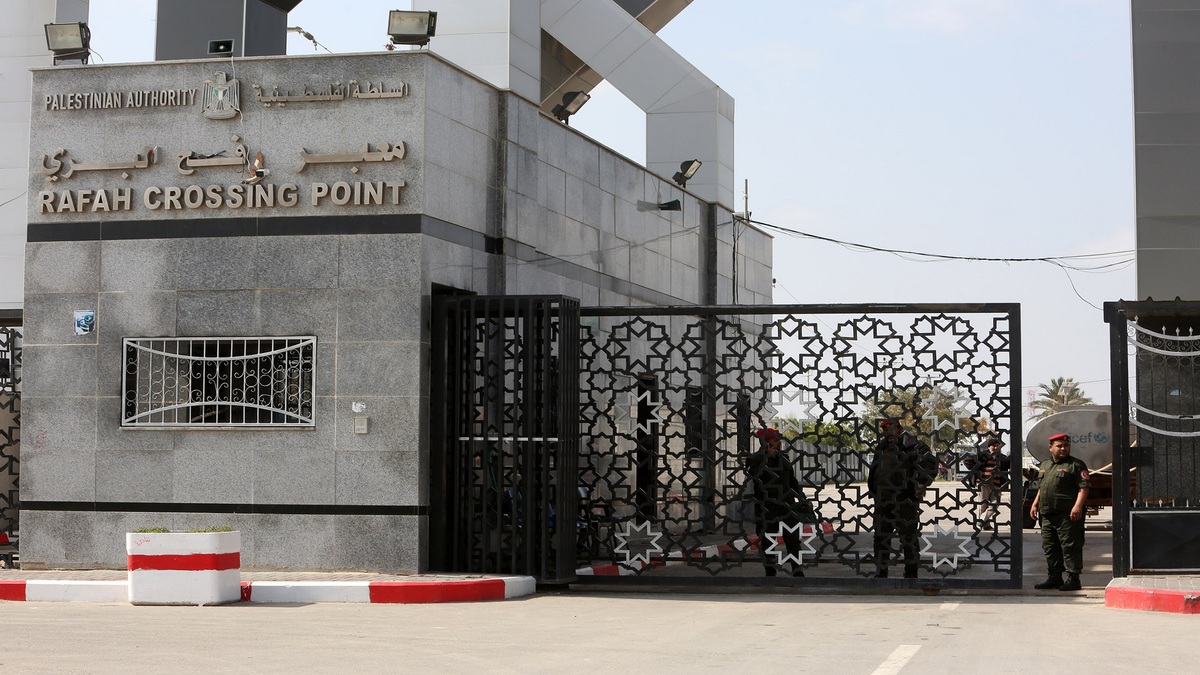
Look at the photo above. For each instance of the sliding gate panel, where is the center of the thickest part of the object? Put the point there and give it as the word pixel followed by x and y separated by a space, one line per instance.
pixel 505 435
pixel 670 401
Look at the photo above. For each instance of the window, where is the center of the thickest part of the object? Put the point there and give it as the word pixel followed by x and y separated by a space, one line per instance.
pixel 219 382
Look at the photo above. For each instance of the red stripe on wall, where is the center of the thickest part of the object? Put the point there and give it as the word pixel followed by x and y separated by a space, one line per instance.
pixel 436 591
pixel 195 562
pixel 12 590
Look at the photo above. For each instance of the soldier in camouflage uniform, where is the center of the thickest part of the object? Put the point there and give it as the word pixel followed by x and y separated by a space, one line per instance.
pixel 1062 490
pixel 901 469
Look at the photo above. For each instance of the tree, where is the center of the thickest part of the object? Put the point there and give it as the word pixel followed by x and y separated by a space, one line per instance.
pixel 930 412
pixel 1059 394
pixel 818 433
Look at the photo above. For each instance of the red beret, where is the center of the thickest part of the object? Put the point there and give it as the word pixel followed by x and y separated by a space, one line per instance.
pixel 1060 437
pixel 768 434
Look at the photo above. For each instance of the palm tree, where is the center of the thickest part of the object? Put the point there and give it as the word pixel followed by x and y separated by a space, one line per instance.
pixel 1061 393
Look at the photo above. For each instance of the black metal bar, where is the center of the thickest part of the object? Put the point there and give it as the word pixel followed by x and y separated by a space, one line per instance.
pixel 780 310
pixel 1119 391
pixel 1016 506
pixel 439 483
pixel 567 400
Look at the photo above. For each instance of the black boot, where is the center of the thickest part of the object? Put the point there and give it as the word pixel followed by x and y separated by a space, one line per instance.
pixel 881 574
pixel 797 571
pixel 1072 583
pixel 910 572
pixel 770 571
pixel 1054 581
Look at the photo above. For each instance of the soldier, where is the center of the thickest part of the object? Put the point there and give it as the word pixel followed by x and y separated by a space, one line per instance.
pixel 1062 490
pixel 989 469
pixel 778 499
pixel 902 468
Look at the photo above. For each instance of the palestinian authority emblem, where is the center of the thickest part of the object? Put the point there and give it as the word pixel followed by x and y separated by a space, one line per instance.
pixel 221 100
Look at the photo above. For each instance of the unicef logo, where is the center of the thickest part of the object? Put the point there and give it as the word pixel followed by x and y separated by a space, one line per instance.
pixel 1089 437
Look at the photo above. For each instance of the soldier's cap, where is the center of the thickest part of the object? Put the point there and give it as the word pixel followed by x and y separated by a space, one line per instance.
pixel 768 434
pixel 1059 437
pixel 995 440
pixel 887 424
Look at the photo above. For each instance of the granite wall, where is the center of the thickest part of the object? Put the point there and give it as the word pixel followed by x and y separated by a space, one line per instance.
pixel 345 237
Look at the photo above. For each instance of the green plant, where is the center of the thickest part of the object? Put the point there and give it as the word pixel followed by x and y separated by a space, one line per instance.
pixel 154 530
pixel 218 528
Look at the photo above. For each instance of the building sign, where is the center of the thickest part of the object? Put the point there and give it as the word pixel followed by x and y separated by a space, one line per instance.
pixel 221 98
pixel 214 197
pixel 109 100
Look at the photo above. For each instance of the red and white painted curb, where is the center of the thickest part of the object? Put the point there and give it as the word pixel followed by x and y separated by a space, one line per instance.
pixel 1119 596
pixel 64 591
pixel 410 592
pixel 407 592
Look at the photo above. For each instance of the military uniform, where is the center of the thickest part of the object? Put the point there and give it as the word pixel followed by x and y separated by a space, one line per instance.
pixel 901 470
pixel 1059 484
pixel 779 501
pixel 990 470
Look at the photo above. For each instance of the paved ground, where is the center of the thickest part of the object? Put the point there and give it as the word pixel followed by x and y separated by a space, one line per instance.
pixel 552 632
pixel 604 633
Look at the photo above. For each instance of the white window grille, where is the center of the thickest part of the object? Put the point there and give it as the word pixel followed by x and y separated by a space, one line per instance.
pixel 219 382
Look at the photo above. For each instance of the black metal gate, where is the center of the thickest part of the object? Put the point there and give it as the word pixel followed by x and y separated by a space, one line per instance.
pixel 505 434
pixel 671 398
pixel 614 443
pixel 1155 350
pixel 10 429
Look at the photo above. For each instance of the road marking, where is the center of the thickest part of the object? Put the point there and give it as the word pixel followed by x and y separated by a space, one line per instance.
pixel 948 606
pixel 897 660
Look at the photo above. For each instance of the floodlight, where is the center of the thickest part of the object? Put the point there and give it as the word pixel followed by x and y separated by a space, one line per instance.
pixel 673 205
pixel 69 41
pixel 411 28
pixel 686 171
pixel 572 101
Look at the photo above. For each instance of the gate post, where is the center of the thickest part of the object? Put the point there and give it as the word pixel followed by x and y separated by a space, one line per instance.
pixel 1114 316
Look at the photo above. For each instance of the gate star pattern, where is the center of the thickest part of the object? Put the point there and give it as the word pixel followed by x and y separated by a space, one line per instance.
pixel 671 397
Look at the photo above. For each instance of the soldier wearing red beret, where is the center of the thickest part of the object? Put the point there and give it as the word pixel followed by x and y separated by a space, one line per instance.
pixel 780 504
pixel 1062 490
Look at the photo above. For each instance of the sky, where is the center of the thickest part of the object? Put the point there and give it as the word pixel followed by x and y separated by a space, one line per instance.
pixel 974 128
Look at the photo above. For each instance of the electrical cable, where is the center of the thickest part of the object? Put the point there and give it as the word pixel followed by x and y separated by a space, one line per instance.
pixel 14 198
pixel 921 256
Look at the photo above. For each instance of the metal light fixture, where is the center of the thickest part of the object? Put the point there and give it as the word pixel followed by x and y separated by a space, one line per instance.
pixel 572 101
pixel 411 28
pixel 686 171
pixel 673 205
pixel 69 41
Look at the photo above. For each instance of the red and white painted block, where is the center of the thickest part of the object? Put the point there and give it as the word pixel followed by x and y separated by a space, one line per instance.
pixel 184 568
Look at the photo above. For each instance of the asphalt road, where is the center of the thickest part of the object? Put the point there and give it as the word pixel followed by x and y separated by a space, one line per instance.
pixel 612 633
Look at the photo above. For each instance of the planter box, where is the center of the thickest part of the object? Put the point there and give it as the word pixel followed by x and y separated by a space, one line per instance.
pixel 184 568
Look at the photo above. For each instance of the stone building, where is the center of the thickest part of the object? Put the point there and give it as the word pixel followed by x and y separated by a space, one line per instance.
pixel 229 273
